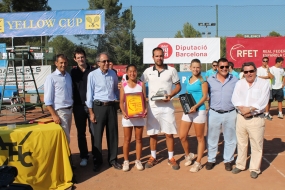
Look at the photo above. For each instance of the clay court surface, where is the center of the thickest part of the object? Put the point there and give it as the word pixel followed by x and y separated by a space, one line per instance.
pixel 161 176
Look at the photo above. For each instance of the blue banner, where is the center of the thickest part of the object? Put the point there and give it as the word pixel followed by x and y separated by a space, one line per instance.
pixel 3 63
pixel 50 23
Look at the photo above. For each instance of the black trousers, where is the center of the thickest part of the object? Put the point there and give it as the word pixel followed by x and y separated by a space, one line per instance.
pixel 105 116
pixel 81 116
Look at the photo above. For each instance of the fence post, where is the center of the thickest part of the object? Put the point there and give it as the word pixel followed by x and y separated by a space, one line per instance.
pixel 131 32
pixel 217 20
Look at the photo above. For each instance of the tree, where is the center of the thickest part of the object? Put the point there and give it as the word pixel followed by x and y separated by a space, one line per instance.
pixel 24 6
pixel 223 46
pixel 61 44
pixel 116 40
pixel 188 31
pixel 239 35
pixel 274 34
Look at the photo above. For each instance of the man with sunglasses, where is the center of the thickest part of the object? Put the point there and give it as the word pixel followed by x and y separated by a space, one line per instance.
pixel 102 91
pixel 264 73
pixel 250 97
pixel 221 115
pixel 278 83
pixel 212 71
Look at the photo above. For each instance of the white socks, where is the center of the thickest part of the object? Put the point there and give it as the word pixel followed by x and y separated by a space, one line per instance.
pixel 170 155
pixel 153 153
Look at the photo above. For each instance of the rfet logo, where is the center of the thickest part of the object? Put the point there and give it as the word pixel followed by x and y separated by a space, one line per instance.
pixel 167 49
pixel 239 51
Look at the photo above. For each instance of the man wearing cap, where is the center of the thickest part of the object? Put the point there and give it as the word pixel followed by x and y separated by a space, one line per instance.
pixel 212 71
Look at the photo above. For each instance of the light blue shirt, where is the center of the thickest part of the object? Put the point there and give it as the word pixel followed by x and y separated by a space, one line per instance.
pixel 235 74
pixel 210 73
pixel 196 90
pixel 101 86
pixel 58 90
pixel 221 93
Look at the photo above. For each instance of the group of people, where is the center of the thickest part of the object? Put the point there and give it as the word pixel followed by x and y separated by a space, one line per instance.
pixel 235 106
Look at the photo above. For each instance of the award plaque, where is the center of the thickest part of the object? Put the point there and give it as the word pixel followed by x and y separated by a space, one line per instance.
pixel 187 101
pixel 134 104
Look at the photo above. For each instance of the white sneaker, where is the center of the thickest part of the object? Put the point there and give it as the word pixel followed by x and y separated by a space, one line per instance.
pixel 196 167
pixel 139 165
pixel 83 162
pixel 280 115
pixel 126 166
pixel 188 159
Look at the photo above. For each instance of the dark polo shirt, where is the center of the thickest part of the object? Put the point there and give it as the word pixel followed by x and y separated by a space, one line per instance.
pixel 79 84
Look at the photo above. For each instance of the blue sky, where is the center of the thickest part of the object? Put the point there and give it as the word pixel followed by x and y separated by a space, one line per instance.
pixel 163 18
pixel 73 4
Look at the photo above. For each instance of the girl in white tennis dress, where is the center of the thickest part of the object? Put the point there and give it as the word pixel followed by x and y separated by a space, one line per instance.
pixel 132 85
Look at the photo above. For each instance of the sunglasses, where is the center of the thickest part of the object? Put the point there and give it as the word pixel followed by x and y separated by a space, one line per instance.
pixel 215 65
pixel 222 67
pixel 105 61
pixel 250 71
pixel 264 60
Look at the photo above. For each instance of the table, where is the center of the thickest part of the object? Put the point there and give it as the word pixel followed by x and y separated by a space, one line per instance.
pixel 41 154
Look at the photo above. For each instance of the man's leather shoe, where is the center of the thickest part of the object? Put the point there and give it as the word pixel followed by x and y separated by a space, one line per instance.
pixel 228 166
pixel 253 175
pixel 210 165
pixel 96 167
pixel 116 165
pixel 236 170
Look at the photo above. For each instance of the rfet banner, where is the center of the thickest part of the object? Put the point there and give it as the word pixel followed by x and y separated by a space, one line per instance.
pixel 52 23
pixel 182 50
pixel 40 74
pixel 241 50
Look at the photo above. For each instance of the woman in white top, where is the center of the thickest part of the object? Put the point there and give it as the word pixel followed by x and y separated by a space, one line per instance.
pixel 132 85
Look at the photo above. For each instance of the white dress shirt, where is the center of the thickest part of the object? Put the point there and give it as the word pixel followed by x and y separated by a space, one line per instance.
pixel 256 95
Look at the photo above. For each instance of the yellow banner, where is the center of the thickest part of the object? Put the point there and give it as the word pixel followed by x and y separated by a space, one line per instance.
pixel 40 153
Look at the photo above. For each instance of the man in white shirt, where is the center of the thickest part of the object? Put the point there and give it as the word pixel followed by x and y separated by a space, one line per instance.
pixel 250 97
pixel 58 95
pixel 264 73
pixel 278 83
pixel 160 117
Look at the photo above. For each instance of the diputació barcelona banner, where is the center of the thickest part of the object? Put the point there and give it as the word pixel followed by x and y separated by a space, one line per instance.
pixel 52 23
pixel 241 50
pixel 182 50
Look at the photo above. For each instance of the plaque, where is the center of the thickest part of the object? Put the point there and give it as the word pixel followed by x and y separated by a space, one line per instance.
pixel 134 104
pixel 187 101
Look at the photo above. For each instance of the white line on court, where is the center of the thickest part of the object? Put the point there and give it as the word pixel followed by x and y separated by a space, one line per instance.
pixel 273 166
